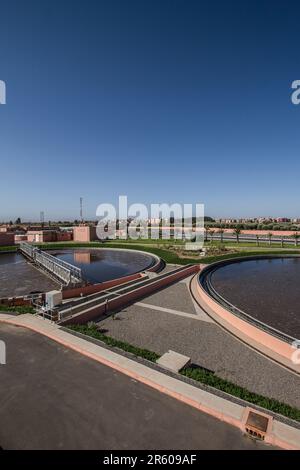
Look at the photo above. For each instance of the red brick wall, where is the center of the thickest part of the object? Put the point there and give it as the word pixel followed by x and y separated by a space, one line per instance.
pixel 87 290
pixel 7 239
pixel 64 236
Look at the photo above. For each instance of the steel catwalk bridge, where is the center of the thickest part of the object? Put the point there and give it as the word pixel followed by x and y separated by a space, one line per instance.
pixel 65 272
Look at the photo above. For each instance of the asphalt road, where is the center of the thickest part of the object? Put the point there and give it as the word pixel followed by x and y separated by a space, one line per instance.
pixel 54 398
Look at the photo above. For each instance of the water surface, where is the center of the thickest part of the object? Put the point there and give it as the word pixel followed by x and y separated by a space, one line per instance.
pixel 104 264
pixel 267 289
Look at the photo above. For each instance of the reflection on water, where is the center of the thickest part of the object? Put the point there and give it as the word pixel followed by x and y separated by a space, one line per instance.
pixel 104 264
pixel 81 257
pixel 267 289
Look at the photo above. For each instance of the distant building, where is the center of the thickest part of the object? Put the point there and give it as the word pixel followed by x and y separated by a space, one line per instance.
pixel 5 228
pixel 84 233
pixel 44 236
pixel 282 219
pixel 7 239
pixel 20 237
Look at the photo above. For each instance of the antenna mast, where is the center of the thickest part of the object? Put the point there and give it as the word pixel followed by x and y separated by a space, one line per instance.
pixel 81 209
pixel 42 218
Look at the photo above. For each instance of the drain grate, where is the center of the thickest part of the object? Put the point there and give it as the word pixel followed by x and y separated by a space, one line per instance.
pixel 257 424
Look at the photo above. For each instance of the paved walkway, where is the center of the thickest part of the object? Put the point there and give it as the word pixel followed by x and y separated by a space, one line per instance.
pixel 169 319
pixel 54 398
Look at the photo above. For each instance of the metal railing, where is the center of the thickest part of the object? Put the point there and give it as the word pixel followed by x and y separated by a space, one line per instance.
pixel 64 271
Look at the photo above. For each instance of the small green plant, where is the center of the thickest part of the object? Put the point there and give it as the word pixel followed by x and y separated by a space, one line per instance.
pixel 209 378
pixel 17 309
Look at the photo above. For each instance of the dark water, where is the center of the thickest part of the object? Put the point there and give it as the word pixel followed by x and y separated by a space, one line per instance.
pixel 17 277
pixel 11 258
pixel 103 264
pixel 267 289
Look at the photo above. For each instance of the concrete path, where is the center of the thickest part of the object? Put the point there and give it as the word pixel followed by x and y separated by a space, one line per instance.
pixel 54 398
pixel 167 310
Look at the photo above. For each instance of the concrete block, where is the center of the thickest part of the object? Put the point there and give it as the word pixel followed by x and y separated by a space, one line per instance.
pixel 173 361
pixel 53 298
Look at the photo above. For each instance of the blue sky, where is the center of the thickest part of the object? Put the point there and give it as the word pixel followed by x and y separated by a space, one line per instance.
pixel 163 101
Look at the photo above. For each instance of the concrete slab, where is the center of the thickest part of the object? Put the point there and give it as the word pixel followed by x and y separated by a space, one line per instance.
pixel 173 361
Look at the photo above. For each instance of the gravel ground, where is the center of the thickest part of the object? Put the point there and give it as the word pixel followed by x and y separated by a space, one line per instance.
pixel 206 343
pixel 177 298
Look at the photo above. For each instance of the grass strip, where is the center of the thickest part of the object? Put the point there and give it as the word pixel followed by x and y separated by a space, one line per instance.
pixel 8 248
pixel 17 309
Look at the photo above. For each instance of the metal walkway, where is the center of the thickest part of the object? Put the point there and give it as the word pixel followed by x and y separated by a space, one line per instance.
pixel 65 272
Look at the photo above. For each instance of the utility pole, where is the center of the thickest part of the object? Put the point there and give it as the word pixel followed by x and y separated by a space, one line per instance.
pixel 42 218
pixel 81 209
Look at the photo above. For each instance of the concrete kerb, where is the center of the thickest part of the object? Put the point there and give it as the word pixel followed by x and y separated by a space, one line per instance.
pixel 282 435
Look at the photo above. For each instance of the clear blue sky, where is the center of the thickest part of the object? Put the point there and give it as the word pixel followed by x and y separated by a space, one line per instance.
pixel 164 101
